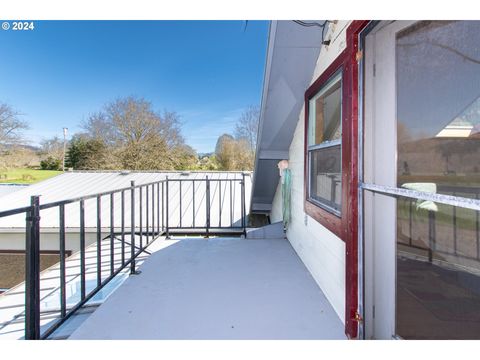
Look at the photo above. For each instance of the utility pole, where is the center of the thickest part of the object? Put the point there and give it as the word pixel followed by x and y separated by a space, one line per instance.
pixel 64 146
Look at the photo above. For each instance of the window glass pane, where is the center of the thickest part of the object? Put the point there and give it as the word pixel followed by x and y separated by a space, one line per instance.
pixel 326 176
pixel 438 271
pixel 438 106
pixel 438 137
pixel 325 113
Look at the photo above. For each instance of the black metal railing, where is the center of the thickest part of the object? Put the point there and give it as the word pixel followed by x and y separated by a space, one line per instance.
pixel 157 208
pixel 431 245
pixel 218 209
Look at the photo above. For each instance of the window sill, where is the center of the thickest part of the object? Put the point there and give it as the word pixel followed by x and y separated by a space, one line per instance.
pixel 325 218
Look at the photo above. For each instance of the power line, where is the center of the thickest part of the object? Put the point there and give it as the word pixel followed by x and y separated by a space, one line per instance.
pixel 316 24
pixel 309 24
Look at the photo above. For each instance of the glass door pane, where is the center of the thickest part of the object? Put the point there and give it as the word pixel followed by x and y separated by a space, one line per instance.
pixel 438 151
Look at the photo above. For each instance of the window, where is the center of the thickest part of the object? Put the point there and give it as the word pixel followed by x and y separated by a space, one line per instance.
pixel 330 178
pixel 325 146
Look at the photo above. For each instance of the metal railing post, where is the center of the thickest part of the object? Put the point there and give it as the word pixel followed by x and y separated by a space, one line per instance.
pixel 147 215
pixel 112 234
pixel 63 298
pixel 219 203
pixel 207 200
pixel 132 229
pixel 163 206
pixel 193 203
pixel 153 211
pixel 231 204
pixel 140 194
pixel 123 228
pixel 454 218
pixel 82 250
pixel 244 210
pixel 431 235
pixel 410 221
pixel 99 240
pixel 477 227
pixel 180 202
pixel 166 210
pixel 158 208
pixel 32 271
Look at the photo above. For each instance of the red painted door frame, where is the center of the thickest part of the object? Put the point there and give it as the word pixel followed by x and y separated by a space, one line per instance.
pixel 345 226
pixel 351 228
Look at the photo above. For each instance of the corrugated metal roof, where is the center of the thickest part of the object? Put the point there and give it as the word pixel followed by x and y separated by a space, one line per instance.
pixel 9 188
pixel 75 184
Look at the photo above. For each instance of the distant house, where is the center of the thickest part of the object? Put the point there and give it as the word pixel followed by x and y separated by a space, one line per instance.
pixel 378 121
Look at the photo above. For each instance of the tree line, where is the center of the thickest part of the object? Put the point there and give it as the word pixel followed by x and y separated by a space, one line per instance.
pixel 129 134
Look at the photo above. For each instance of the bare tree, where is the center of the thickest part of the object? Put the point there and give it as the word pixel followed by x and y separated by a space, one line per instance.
pixel 233 154
pixel 138 137
pixel 11 126
pixel 238 153
pixel 224 151
pixel 247 126
pixel 99 127
pixel 18 157
pixel 52 147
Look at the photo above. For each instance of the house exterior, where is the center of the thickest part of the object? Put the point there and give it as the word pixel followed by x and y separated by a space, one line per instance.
pixel 366 152
pixel 379 122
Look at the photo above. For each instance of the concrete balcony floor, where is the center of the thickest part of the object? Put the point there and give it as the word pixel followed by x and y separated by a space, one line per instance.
pixel 216 289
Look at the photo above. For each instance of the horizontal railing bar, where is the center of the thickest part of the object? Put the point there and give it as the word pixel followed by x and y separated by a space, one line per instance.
pixel 14 211
pixel 439 251
pixel 457 201
pixel 93 196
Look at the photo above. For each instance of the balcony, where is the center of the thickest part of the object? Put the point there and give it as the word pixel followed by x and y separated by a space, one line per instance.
pixel 169 259
pixel 220 288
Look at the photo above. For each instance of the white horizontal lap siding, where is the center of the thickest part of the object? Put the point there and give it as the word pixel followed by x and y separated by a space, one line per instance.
pixel 322 252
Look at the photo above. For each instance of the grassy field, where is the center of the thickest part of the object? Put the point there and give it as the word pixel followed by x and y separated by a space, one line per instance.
pixel 26 176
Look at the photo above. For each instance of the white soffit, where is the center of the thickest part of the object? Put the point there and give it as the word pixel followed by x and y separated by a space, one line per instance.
pixel 291 58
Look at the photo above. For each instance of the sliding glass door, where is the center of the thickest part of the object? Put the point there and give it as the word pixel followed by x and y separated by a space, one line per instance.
pixel 422 136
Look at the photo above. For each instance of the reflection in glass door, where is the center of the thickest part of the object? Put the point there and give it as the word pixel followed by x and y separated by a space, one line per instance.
pixel 438 151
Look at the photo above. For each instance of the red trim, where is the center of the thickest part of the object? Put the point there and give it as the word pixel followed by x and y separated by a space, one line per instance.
pixel 351 227
pixel 346 226
pixel 331 221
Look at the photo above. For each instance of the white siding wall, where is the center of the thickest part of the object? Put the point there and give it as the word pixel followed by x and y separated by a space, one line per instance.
pixel 322 252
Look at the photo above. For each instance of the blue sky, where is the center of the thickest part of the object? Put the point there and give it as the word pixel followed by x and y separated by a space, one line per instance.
pixel 207 71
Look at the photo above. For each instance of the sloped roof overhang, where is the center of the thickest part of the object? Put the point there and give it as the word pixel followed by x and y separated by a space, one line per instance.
pixel 291 57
